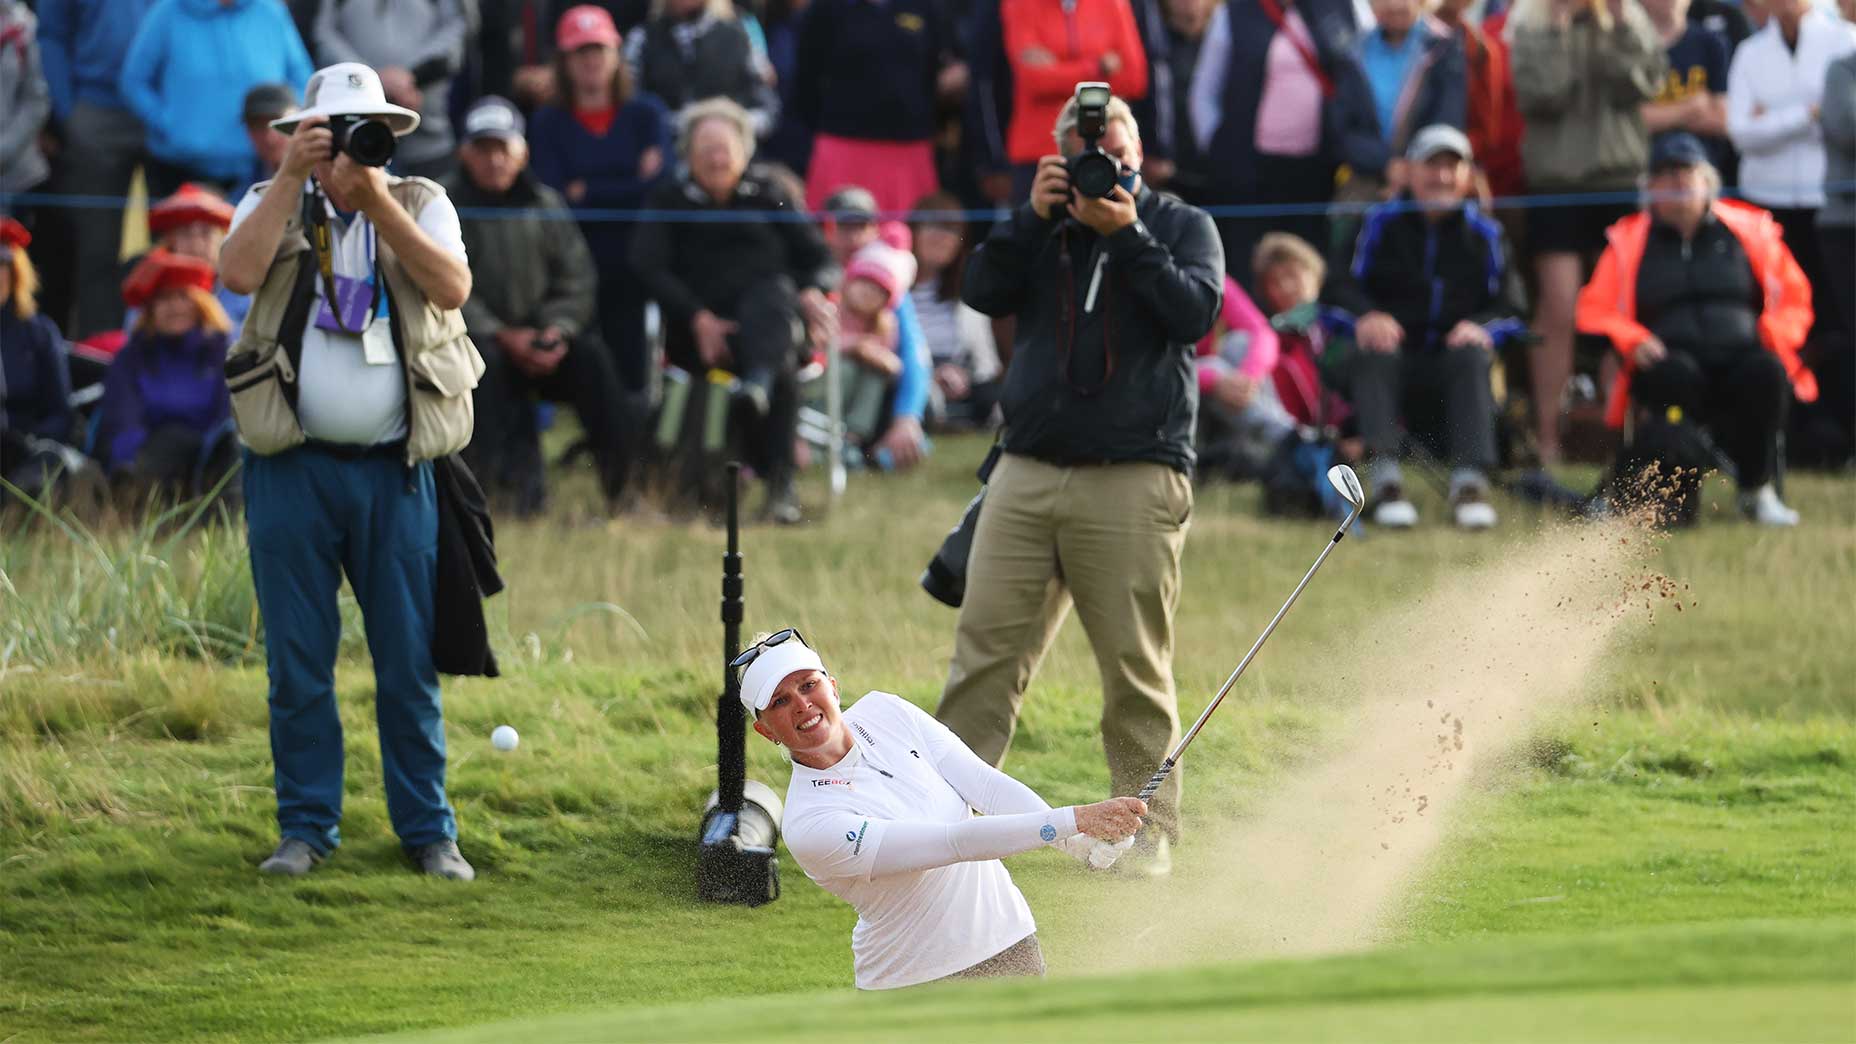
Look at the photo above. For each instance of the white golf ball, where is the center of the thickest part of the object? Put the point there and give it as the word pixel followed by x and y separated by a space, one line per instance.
pixel 504 738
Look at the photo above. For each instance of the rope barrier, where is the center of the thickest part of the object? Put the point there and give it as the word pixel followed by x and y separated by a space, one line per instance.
pixel 598 215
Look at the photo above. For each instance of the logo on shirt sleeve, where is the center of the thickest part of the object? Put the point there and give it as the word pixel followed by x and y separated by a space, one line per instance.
pixel 856 837
pixel 1048 833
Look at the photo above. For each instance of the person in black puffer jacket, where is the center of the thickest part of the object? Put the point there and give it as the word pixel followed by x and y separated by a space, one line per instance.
pixel 1092 495
pixel 694 50
pixel 1435 289
pixel 733 292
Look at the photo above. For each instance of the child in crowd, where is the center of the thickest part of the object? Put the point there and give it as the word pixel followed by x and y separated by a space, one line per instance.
pixel 1289 273
pixel 1241 421
pixel 874 282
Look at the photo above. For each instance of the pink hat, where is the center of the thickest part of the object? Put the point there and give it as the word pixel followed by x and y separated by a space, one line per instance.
pixel 583 25
pixel 896 234
pixel 886 266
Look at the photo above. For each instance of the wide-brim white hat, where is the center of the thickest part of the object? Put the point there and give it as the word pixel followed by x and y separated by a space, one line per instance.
pixel 348 89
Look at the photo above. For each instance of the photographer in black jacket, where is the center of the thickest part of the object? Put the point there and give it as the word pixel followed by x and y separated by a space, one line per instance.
pixel 1091 498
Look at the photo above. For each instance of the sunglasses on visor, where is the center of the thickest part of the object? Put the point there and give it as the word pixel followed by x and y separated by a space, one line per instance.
pixel 776 638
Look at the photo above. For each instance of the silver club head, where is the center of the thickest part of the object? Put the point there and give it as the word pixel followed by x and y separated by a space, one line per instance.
pixel 1348 485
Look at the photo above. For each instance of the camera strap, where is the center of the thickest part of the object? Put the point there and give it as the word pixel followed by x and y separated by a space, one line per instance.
pixel 1071 320
pixel 321 237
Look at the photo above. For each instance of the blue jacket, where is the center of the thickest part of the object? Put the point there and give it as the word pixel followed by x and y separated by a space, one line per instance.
pixel 82 44
pixel 1431 275
pixel 158 381
pixel 189 68
pixel 563 151
pixel 1434 89
pixel 35 379
pixel 917 364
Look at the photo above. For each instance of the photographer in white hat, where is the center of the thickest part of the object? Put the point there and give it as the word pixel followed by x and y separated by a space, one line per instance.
pixel 880 814
pixel 352 375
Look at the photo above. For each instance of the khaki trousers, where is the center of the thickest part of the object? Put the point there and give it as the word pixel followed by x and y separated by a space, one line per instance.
pixel 1106 538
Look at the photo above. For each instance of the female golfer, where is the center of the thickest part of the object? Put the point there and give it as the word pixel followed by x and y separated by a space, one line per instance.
pixel 879 814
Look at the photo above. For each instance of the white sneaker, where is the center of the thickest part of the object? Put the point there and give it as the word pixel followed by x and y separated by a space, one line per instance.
pixel 1475 514
pixel 1764 506
pixel 1393 511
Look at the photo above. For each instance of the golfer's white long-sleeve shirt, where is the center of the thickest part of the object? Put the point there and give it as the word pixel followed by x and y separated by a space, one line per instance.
pixel 890 829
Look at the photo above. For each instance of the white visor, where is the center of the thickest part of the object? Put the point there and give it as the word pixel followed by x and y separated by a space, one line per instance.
pixel 771 668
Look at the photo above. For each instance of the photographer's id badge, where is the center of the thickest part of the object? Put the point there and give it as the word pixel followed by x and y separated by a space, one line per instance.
pixel 354 298
pixel 377 343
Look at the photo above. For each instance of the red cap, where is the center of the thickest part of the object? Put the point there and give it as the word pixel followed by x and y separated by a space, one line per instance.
pixel 583 25
pixel 14 234
pixel 163 269
pixel 188 204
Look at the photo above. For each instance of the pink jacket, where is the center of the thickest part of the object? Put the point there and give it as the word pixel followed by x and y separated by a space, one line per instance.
pixel 1238 315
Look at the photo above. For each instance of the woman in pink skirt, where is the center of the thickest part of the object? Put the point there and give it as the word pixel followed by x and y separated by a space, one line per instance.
pixel 871 78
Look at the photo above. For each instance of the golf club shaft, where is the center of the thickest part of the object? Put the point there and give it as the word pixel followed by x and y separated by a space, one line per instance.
pixel 1166 767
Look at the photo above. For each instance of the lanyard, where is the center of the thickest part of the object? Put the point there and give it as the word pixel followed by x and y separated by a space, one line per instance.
pixel 317 218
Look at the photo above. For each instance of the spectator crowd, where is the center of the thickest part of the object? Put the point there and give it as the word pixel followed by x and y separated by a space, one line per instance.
pixel 1442 220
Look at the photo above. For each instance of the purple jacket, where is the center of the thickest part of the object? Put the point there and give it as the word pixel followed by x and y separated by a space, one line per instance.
pixel 159 381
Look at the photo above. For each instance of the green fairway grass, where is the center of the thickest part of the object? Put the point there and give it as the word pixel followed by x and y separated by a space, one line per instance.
pixel 1786 981
pixel 1691 821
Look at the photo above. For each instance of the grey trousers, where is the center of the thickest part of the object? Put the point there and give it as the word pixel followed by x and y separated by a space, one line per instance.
pixel 1023 958
pixel 1443 396
pixel 102 148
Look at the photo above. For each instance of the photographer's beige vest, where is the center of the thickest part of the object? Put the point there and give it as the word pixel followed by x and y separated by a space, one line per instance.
pixel 441 363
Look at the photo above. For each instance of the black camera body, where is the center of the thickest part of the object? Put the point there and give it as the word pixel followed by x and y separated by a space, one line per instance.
pixel 945 579
pixel 367 140
pixel 1093 172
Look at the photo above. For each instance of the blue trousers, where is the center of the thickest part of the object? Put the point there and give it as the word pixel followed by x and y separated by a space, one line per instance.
pixel 312 517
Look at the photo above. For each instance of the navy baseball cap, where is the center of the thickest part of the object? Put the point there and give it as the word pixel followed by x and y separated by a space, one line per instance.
pixel 1676 149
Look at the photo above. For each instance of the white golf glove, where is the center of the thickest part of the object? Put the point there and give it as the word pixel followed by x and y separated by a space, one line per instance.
pixel 1102 854
pixel 1078 846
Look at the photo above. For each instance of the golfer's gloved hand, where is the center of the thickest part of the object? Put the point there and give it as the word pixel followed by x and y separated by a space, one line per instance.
pixel 1078 846
pixel 1102 854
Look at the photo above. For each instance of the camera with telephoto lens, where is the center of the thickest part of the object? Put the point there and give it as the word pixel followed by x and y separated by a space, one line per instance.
pixel 366 140
pixel 1092 171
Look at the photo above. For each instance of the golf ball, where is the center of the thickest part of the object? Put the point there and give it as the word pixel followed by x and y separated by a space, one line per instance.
pixel 504 738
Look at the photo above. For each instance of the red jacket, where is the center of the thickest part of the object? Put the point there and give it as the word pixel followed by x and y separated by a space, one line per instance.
pixel 1076 33
pixel 1608 304
pixel 1494 118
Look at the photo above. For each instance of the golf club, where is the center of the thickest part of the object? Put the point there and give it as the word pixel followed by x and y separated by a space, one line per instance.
pixel 1348 484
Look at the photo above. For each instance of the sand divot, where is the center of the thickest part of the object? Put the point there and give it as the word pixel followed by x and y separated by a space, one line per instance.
pixel 1445 685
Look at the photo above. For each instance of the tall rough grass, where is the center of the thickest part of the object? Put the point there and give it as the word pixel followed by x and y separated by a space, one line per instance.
pixel 175 582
